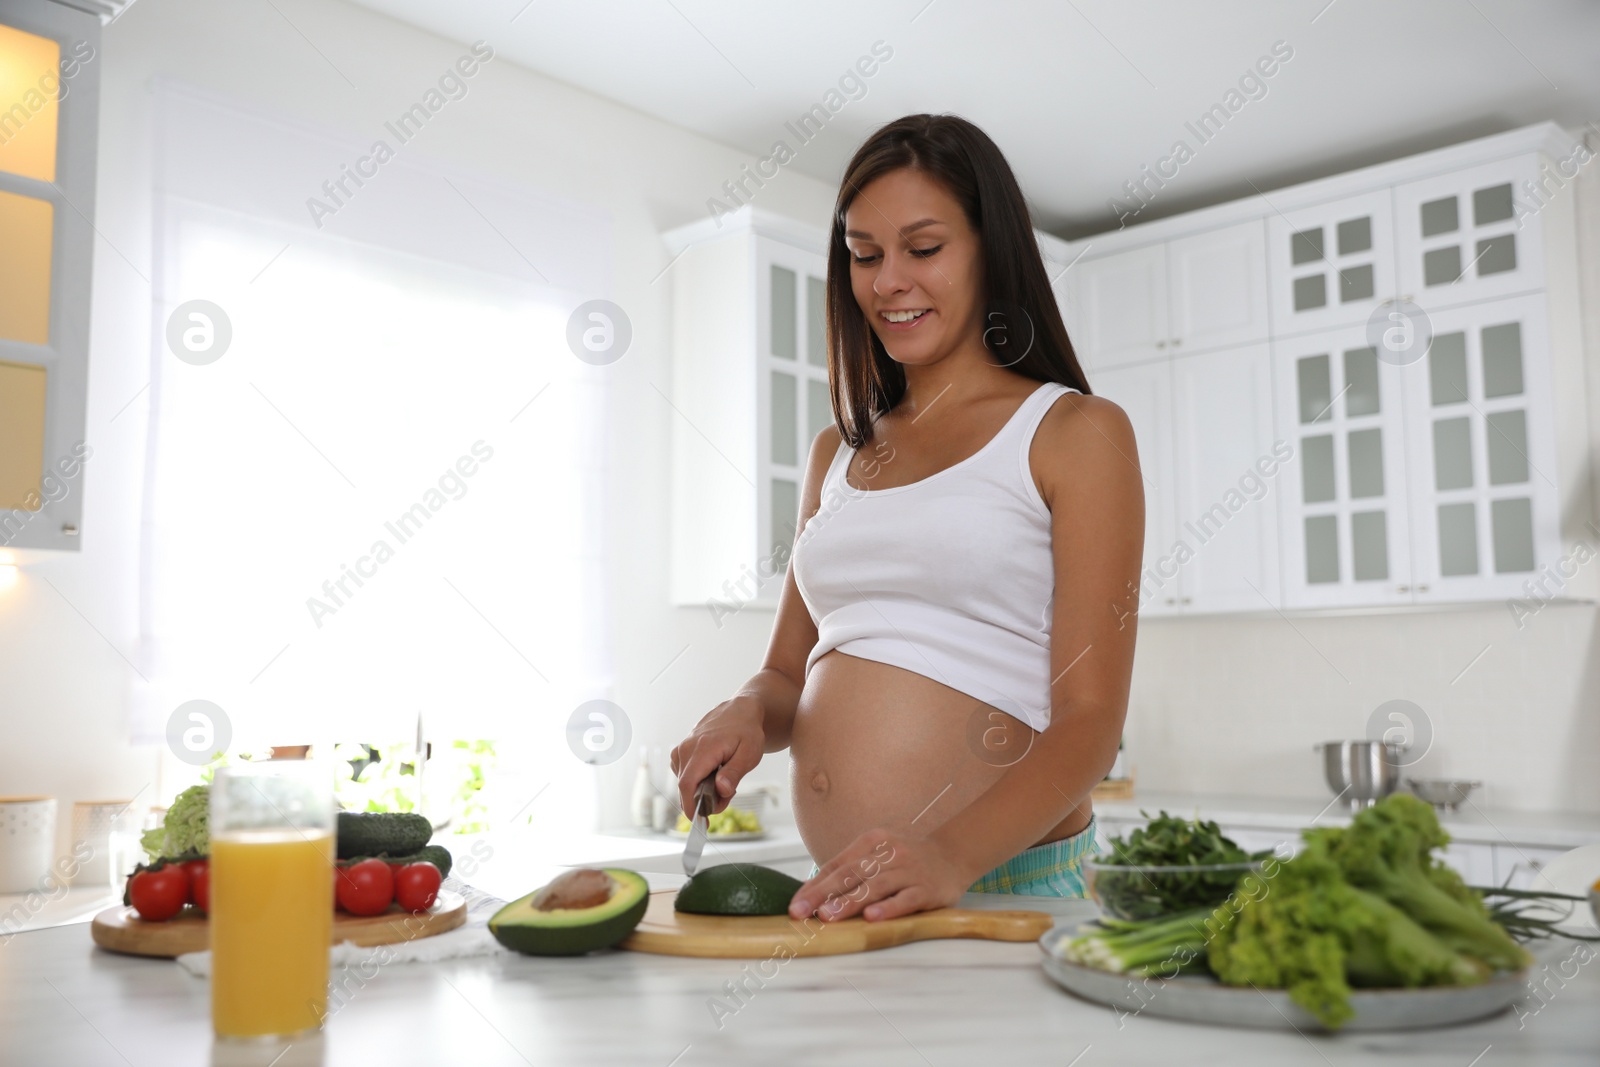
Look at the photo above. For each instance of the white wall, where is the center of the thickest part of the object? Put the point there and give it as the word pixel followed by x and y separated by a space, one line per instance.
pixel 1233 706
pixel 64 684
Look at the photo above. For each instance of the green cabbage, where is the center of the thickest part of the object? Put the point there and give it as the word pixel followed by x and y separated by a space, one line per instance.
pixel 187 827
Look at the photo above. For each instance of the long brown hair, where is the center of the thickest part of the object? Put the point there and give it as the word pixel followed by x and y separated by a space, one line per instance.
pixel 1020 309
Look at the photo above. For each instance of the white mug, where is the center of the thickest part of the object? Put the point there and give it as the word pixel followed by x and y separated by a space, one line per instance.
pixel 27 843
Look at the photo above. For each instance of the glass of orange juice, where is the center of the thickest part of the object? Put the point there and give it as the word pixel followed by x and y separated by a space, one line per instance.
pixel 271 917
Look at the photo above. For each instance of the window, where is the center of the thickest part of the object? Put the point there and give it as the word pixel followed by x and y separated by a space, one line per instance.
pixel 380 499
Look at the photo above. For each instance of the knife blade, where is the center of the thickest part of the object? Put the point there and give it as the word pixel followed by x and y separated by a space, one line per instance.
pixel 705 797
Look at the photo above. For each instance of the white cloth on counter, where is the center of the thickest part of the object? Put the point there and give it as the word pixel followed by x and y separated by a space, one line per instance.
pixel 470 939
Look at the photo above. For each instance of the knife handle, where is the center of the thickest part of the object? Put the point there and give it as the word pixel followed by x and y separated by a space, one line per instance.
pixel 707 791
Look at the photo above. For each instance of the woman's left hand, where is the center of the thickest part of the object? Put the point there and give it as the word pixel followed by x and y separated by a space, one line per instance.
pixel 882 874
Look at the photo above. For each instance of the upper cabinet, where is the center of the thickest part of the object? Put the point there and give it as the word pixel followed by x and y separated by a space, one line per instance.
pixel 1203 426
pixel 1187 295
pixel 50 84
pixel 1331 264
pixel 1121 314
pixel 1419 365
pixel 749 394
pixel 1462 235
pixel 1343 504
pixel 1217 287
pixel 1485 504
pixel 1363 392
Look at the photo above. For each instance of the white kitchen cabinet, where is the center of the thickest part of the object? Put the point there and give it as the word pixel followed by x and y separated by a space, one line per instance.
pixel 1144 392
pixel 1196 293
pixel 749 392
pixel 1217 289
pixel 47 238
pixel 1121 308
pixel 1225 479
pixel 1485 508
pixel 1343 507
pixel 1473 862
pixel 1330 264
pixel 1461 236
pixel 790 309
pixel 1518 865
pixel 1210 514
pixel 1375 507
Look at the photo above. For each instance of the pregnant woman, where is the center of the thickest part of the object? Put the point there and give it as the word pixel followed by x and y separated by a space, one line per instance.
pixel 951 657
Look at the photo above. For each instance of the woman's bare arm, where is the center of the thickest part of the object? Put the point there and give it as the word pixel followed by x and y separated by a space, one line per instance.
pixel 767 702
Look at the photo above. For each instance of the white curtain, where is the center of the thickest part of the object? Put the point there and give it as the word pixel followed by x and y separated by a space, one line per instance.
pixel 383 498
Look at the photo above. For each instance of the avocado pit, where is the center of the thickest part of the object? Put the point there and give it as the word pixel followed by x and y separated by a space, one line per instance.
pixel 582 888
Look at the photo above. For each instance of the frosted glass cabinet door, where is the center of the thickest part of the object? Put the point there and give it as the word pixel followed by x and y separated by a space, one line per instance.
pixel 1121 308
pixel 1227 507
pixel 1483 496
pixel 1217 283
pixel 1342 509
pixel 1468 236
pixel 1145 393
pixel 1331 264
pixel 791 393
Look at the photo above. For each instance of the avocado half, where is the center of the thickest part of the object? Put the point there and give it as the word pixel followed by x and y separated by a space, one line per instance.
pixel 737 889
pixel 580 911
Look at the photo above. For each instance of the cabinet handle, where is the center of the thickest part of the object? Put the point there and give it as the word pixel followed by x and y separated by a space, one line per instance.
pixel 1161 344
pixel 1422 589
pixel 1184 600
pixel 1176 341
pixel 1402 589
pixel 1171 600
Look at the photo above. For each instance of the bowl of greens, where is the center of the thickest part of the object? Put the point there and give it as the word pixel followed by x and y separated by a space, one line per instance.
pixel 1169 865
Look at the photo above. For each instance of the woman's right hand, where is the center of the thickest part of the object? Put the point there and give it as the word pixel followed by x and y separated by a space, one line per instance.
pixel 732 736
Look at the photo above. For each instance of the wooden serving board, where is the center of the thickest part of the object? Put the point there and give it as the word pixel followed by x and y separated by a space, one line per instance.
pixel 674 933
pixel 121 930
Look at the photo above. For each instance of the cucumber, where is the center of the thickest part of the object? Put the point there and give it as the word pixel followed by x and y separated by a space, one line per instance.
pixel 371 833
pixel 437 855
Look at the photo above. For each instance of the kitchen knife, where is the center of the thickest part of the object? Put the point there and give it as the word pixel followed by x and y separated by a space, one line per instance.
pixel 705 797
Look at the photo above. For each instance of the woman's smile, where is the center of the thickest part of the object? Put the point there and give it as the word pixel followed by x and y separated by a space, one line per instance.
pixel 901 321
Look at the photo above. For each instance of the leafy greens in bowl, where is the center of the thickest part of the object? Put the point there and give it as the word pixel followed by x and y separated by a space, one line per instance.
pixel 1170 865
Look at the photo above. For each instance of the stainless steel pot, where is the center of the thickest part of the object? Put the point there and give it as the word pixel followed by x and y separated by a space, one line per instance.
pixel 1361 772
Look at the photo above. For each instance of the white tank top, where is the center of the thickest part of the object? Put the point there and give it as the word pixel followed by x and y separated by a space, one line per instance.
pixel 950 576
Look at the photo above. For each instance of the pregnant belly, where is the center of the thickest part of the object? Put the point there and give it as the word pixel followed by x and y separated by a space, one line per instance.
pixel 877 745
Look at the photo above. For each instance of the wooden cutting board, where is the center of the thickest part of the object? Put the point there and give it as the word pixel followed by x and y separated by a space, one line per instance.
pixel 673 933
pixel 121 930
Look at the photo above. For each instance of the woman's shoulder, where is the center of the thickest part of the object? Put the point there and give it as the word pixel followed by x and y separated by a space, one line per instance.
pixel 1084 436
pixel 1072 413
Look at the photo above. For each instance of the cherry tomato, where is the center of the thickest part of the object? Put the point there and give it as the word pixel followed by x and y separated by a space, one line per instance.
pixel 366 888
pixel 159 895
pixel 189 868
pixel 417 886
pixel 199 883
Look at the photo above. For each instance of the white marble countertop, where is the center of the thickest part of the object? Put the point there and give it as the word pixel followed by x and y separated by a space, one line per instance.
pixel 1470 823
pixel 62 1001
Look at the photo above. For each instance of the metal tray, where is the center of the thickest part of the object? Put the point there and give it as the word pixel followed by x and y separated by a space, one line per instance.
pixel 1200 999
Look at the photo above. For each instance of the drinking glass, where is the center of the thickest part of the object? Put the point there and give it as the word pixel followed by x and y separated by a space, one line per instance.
pixel 271 917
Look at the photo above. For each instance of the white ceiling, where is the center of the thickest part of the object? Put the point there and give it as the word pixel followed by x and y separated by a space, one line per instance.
pixel 1078 93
